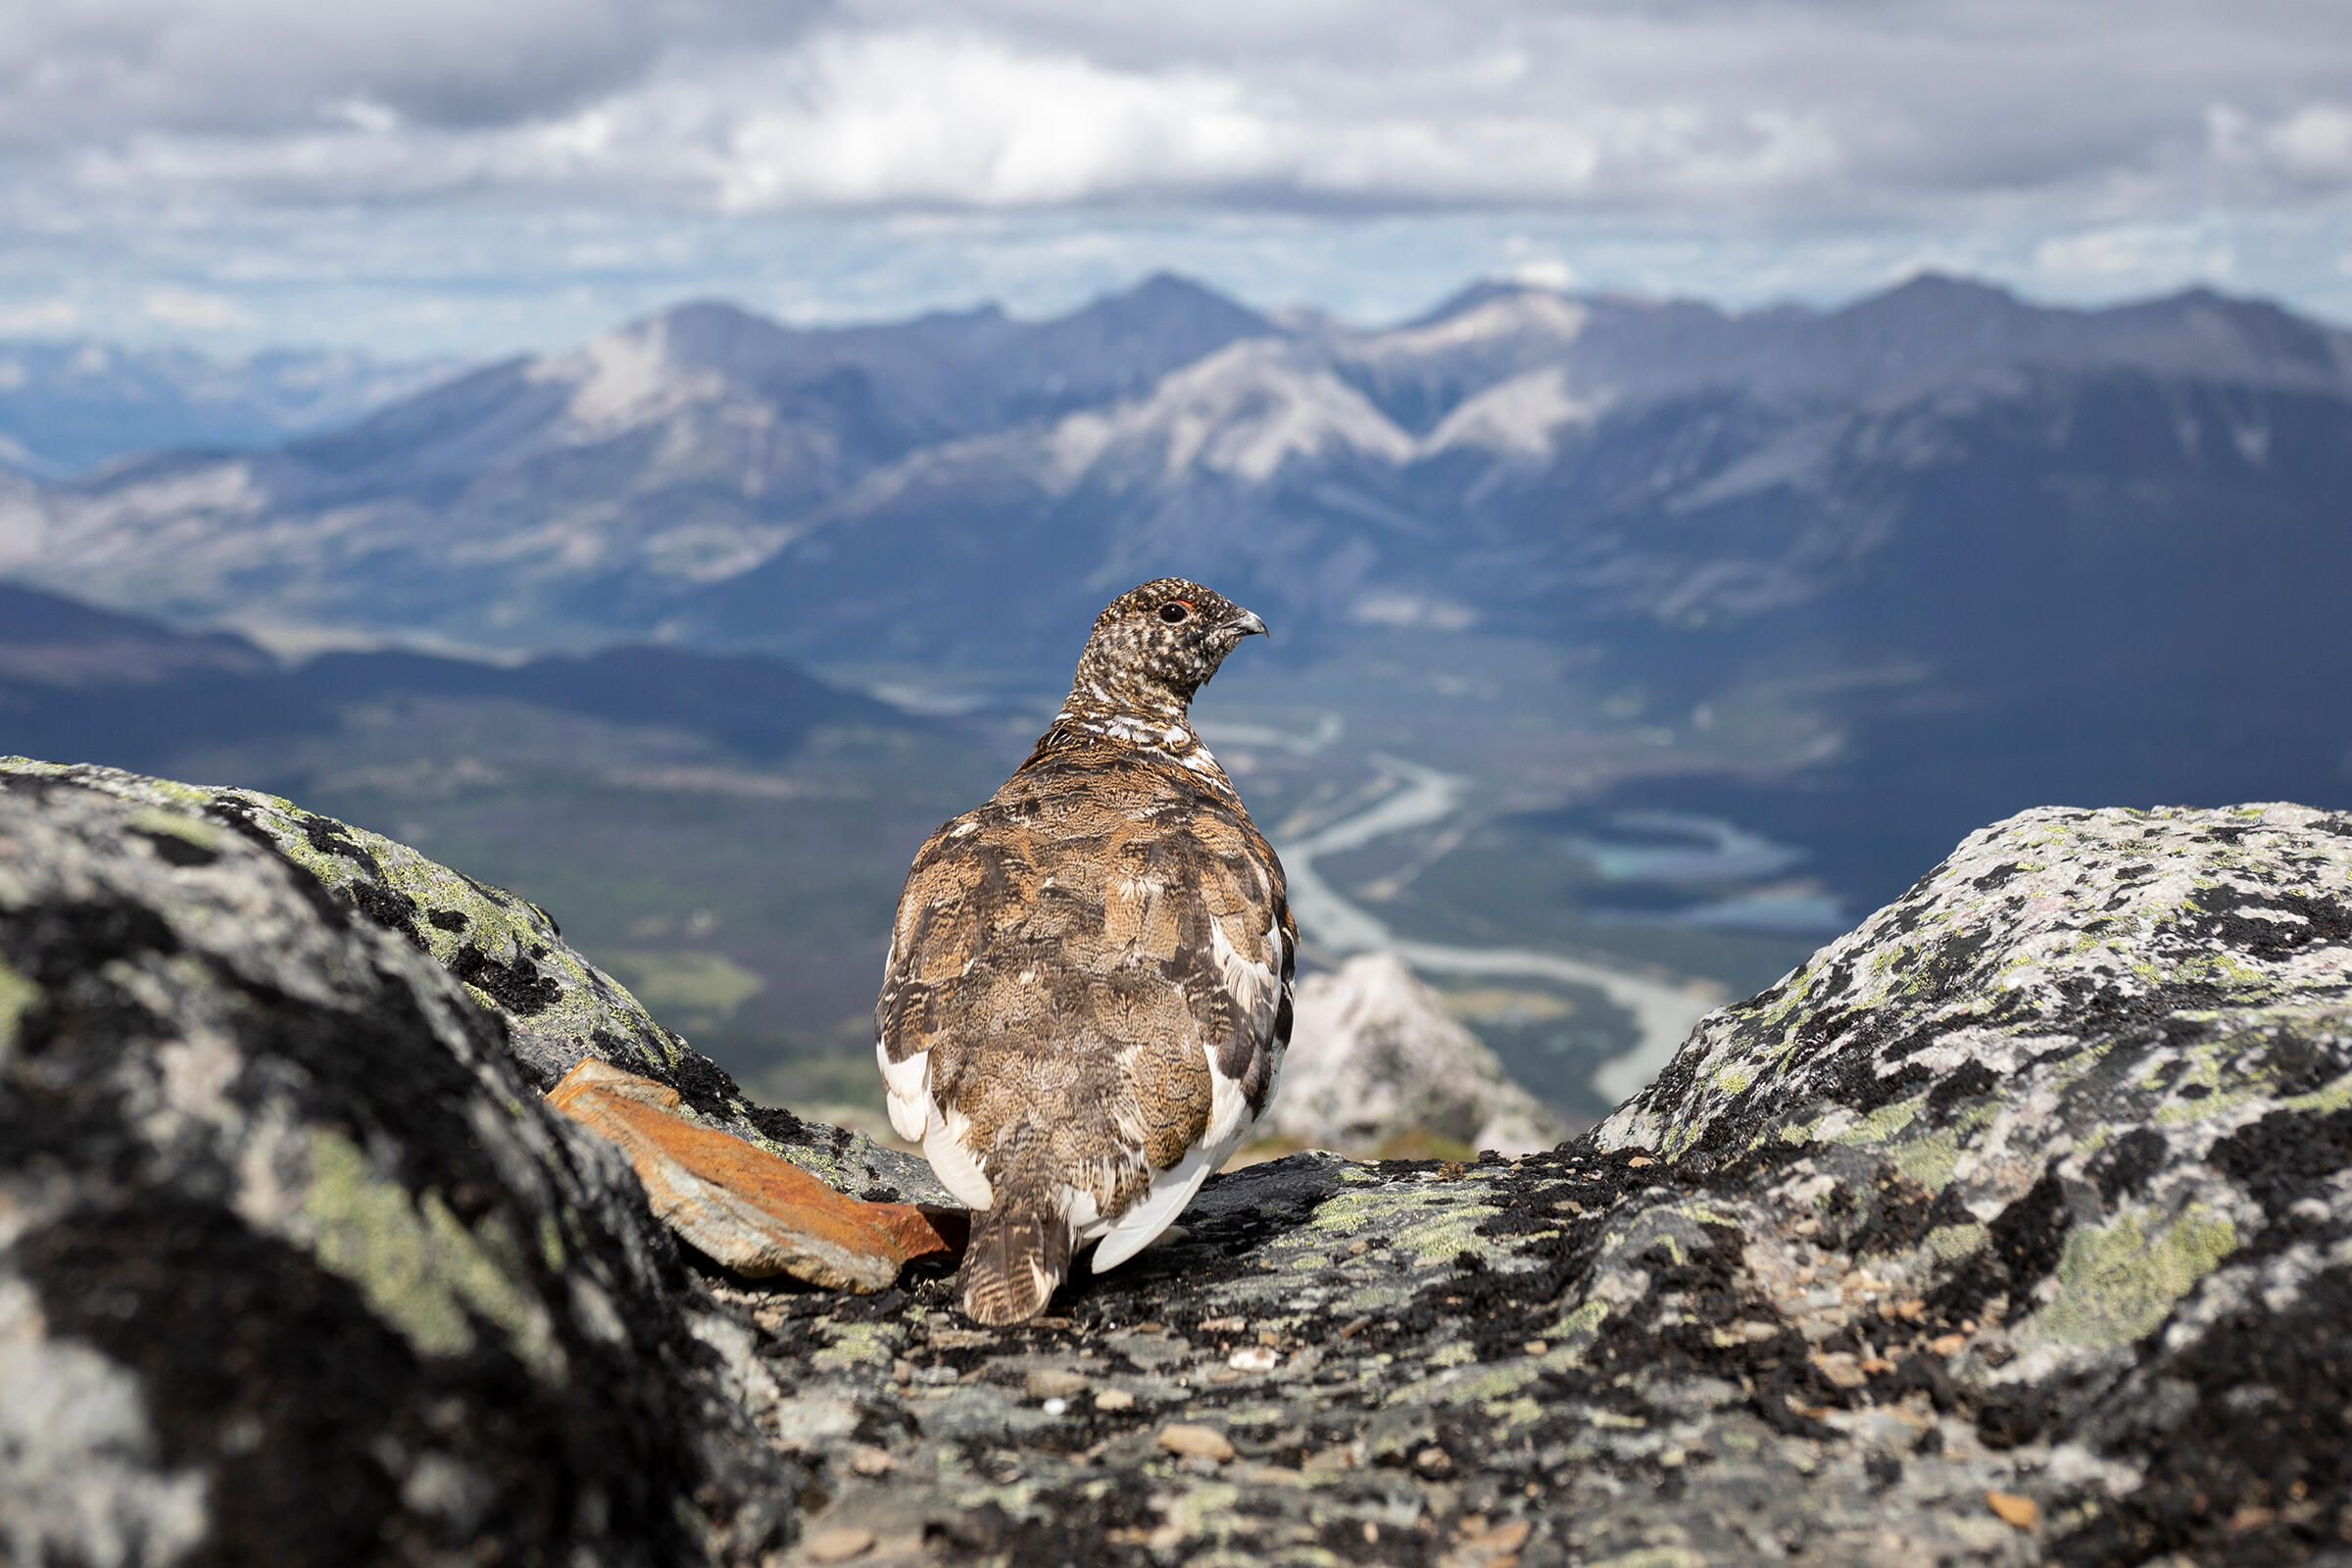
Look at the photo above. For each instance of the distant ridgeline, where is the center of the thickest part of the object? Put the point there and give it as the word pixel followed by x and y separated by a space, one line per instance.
pixel 1994 554
pixel 67 406
pixel 124 690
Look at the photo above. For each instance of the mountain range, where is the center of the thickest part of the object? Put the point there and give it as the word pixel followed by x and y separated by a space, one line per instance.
pixel 1516 459
pixel 1725 626
pixel 1994 553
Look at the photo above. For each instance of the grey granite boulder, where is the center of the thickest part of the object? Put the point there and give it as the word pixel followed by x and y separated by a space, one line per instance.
pixel 2014 1227
pixel 555 1008
pixel 2088 1084
pixel 294 1267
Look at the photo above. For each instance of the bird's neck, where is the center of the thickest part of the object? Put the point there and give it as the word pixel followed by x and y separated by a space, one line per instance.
pixel 1101 702
pixel 1162 724
pixel 1161 730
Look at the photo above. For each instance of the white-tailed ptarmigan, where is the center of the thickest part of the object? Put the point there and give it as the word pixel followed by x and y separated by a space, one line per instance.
pixel 1087 991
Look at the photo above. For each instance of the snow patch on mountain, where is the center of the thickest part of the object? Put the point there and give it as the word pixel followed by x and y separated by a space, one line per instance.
pixel 1242 413
pixel 23 524
pixel 1519 418
pixel 627 378
pixel 1518 319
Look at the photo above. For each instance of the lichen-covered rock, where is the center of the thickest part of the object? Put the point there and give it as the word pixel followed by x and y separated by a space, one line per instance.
pixel 2087 1086
pixel 1375 1059
pixel 2015 1227
pixel 294 1268
pixel 556 1009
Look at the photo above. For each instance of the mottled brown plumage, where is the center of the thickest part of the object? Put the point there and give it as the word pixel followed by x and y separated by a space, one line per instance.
pixel 1087 991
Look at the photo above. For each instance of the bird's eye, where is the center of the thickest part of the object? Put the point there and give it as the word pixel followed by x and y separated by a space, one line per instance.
pixel 1176 612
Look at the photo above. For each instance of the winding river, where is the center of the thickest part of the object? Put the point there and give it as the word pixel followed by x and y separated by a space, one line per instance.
pixel 1662 1014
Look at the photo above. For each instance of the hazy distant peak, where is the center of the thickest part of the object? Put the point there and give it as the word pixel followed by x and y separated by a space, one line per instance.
pixel 1173 291
pixel 1934 323
pixel 1163 321
pixel 1482 292
pixel 1517 316
pixel 715 333
pixel 1946 291
pixel 2256 327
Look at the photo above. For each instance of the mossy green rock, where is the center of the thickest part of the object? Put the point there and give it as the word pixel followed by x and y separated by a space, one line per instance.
pixel 2036 1184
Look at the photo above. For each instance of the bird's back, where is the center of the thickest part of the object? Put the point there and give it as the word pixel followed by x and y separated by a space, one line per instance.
pixel 1085 1004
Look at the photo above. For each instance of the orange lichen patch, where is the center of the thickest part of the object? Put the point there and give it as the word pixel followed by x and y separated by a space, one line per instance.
pixel 756 1213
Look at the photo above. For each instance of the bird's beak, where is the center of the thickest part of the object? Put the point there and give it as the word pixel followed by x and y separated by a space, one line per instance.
pixel 1247 624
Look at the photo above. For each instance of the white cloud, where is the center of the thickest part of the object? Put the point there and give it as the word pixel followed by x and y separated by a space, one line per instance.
pixel 2133 253
pixel 2315 142
pixel 192 308
pixel 40 318
pixel 360 159
pixel 1544 271
pixel 1789 105
pixel 957 119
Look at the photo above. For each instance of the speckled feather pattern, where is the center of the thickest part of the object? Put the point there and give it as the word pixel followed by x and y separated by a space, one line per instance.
pixel 1090 975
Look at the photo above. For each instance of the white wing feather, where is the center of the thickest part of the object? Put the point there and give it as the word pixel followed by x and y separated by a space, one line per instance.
pixel 907 1085
pixel 1170 1190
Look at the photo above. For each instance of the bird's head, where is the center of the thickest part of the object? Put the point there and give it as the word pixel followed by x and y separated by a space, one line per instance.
pixel 1157 645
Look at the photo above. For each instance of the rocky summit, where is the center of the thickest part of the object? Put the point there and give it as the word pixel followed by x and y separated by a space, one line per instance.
pixel 2013 1227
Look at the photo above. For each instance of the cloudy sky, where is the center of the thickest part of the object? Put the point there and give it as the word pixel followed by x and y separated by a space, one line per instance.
pixel 444 175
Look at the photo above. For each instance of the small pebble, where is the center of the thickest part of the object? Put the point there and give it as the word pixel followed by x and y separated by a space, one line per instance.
pixel 872 1461
pixel 838 1546
pixel 2024 1513
pixel 1360 1247
pixel 1253 1358
pixel 1055 1406
pixel 1433 1461
pixel 1507 1537
pixel 1536 1346
pixel 1115 1400
pixel 1948 1344
pixel 1195 1442
pixel 1055 1383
